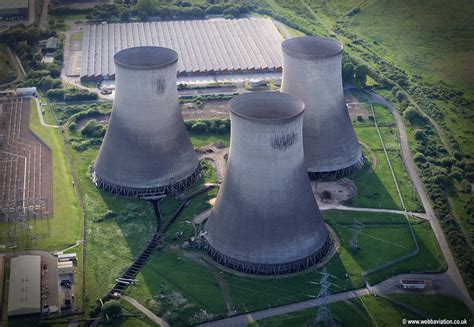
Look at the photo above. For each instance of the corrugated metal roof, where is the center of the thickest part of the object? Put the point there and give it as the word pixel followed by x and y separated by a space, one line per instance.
pixel 212 45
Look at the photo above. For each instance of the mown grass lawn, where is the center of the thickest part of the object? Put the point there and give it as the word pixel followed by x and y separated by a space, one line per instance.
pixel 376 189
pixel 436 306
pixel 347 313
pixel 117 229
pixel 172 268
pixel 376 311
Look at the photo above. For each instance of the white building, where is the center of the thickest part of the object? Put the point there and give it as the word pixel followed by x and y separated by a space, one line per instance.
pixel 24 292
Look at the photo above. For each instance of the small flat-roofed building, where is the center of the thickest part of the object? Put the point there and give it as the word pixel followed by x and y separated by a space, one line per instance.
pixel 24 292
pixel 13 9
pixel 67 257
pixel 65 267
pixel 51 44
pixel 26 91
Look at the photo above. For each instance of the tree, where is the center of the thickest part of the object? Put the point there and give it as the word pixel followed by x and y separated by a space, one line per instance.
pixel 113 309
pixel 466 186
pixel 348 72
pixel 232 12
pixel 360 74
pixel 145 7
pixel 72 126
pixel 54 70
pixel 412 115
pixel 199 127
pixel 55 94
pixel 46 83
pixel 125 15
pixel 400 96
pixel 420 135
pixel 214 9
pixel 419 157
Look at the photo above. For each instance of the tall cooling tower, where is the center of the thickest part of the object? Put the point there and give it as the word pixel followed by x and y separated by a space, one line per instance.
pixel 312 72
pixel 266 220
pixel 146 151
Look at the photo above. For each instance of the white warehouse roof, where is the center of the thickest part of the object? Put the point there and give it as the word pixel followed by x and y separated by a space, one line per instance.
pixel 24 292
pixel 204 46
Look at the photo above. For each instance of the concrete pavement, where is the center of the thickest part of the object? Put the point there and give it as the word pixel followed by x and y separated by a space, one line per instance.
pixel 146 312
pixel 40 114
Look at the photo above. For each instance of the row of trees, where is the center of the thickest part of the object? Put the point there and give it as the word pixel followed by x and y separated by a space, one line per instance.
pixel 22 41
pixel 164 10
pixel 213 126
pixel 355 73
pixel 70 95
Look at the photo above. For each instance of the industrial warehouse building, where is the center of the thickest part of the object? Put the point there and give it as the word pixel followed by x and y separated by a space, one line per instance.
pixel 205 47
pixel 13 9
pixel 24 292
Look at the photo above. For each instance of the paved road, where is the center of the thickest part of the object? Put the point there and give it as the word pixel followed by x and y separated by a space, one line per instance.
pixel 146 312
pixel 245 319
pixel 40 114
pixel 453 270
pixel 401 212
pixel 442 284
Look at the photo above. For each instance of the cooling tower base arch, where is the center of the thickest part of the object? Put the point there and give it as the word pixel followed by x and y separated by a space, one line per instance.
pixel 336 174
pixel 150 192
pixel 269 269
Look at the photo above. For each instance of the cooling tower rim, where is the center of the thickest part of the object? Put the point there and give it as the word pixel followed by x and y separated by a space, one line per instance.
pixel 264 104
pixel 311 47
pixel 159 57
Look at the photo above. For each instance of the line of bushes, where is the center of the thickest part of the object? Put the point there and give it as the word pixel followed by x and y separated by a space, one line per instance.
pixel 212 126
pixel 71 95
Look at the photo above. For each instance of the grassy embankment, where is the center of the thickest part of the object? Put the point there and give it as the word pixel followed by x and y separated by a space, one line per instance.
pixel 7 72
pixel 377 311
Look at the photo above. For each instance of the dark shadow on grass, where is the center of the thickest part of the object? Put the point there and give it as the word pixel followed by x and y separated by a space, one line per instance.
pixel 371 192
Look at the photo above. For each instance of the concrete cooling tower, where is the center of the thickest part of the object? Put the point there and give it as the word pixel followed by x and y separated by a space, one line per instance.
pixel 266 220
pixel 312 72
pixel 146 151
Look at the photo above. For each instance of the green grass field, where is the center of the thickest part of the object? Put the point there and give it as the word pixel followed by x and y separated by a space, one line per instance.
pixel 117 229
pixel 178 270
pixel 436 306
pixel 376 311
pixel 377 189
pixel 347 313
pixel 425 34
pixel 64 227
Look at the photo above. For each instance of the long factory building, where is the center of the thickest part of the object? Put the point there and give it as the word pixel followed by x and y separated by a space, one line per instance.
pixel 205 47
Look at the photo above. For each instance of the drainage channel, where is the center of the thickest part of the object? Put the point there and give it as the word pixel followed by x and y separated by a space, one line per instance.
pixel 141 260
